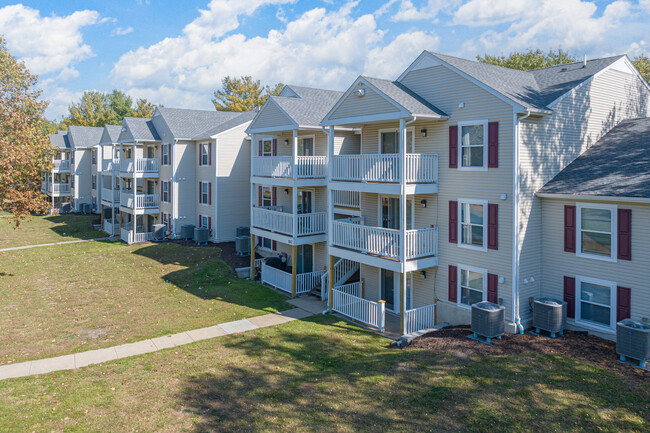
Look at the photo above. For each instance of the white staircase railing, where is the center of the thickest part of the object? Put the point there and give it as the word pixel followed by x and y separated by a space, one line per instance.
pixel 419 319
pixel 306 282
pixel 343 270
pixel 365 311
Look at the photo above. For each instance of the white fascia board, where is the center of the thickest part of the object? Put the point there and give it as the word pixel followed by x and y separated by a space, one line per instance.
pixel 587 197
pixel 367 119
pixel 292 125
pixel 272 129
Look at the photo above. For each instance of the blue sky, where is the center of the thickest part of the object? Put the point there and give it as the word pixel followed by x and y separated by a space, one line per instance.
pixel 176 52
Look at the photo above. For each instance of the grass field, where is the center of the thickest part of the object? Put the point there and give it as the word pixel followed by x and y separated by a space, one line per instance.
pixel 69 298
pixel 322 374
pixel 48 229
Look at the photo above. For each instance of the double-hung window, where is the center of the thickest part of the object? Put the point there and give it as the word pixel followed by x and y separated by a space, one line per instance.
pixel 165 154
pixel 94 156
pixel 205 193
pixel 94 181
pixel 267 147
pixel 596 231
pixel 472 139
pixel 595 303
pixel 165 191
pixel 203 221
pixel 472 284
pixel 473 217
pixel 205 154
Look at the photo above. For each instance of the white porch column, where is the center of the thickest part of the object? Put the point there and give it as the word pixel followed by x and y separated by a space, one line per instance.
pixel 294 193
pixel 402 222
pixel 330 193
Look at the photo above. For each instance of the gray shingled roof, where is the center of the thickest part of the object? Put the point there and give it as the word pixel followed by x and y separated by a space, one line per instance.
pixel 535 89
pixel 187 124
pixel 111 134
pixel 140 129
pixel 243 117
pixel 404 97
pixel 84 136
pixel 618 165
pixel 311 105
pixel 60 140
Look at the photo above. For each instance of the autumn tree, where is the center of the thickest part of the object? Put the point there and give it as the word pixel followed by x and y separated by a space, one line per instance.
pixel 144 108
pixel 531 59
pixel 99 109
pixel 25 150
pixel 243 94
pixel 642 63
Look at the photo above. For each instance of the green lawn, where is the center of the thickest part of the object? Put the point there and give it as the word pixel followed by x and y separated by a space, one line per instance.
pixel 68 298
pixel 322 374
pixel 48 229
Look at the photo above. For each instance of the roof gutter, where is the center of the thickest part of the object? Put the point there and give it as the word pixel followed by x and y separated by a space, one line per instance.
pixel 516 318
pixel 589 197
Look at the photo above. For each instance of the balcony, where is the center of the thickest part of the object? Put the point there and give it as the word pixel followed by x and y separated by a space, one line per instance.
pixel 110 165
pixel 306 170
pixel 131 237
pixel 383 170
pixel 146 203
pixel 111 228
pixel 282 280
pixel 111 195
pixel 144 166
pixel 61 189
pixel 61 165
pixel 379 246
pixel 273 220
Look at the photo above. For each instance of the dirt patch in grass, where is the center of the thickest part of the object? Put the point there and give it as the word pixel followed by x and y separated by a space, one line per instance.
pixel 576 345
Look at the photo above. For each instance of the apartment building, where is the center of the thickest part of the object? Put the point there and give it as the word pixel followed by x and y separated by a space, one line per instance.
pixel 108 181
pixel 288 184
pixel 56 184
pixel 83 140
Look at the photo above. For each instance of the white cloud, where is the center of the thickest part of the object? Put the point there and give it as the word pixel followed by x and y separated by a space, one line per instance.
pixel 645 4
pixel 319 48
pixel 121 31
pixel 46 44
pixel 570 24
pixel 428 10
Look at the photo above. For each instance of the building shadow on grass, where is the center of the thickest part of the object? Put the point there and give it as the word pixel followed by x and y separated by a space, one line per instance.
pixel 74 226
pixel 302 379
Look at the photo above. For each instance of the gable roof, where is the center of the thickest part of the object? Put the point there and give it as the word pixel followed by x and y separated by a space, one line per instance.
pixel 616 166
pixel 84 136
pixel 187 124
pixel 60 140
pixel 137 129
pixel 111 134
pixel 533 90
pixel 242 118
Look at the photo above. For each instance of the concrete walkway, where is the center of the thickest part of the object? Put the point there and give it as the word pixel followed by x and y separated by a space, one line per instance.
pixel 54 243
pixel 77 360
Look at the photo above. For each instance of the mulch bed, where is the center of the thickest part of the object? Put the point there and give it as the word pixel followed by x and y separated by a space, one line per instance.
pixel 576 345
pixel 228 253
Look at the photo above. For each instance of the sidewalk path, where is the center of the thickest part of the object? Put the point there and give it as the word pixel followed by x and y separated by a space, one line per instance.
pixel 306 307
pixel 54 243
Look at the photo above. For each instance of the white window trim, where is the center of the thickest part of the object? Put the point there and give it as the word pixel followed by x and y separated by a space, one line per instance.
pixel 484 203
pixel 612 308
pixel 313 198
pixel 302 137
pixel 207 193
pixel 206 146
pixel 264 141
pixel 614 210
pixel 168 183
pixel 167 147
pixel 459 269
pixel 485 145
pixel 409 129
pixel 271 194
pixel 201 221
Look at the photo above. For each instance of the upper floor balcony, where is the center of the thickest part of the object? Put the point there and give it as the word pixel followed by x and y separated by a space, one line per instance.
pixel 111 196
pixel 61 166
pixel 56 188
pixel 110 165
pixel 382 173
pixel 282 170
pixel 271 222
pixel 383 247
pixel 140 203
pixel 144 167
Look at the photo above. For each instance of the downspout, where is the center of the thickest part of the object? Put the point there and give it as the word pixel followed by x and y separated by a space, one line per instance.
pixel 515 239
pixel 174 193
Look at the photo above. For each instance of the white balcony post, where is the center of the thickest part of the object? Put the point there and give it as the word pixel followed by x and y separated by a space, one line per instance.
pixel 330 193
pixel 294 192
pixel 402 218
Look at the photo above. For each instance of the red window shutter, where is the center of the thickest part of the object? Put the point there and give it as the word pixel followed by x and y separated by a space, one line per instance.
pixel 492 289
pixel 209 153
pixel 210 224
pixel 161 154
pixel 453 147
pixel 623 303
pixel 260 196
pixel 274 151
pixel 261 148
pixel 453 283
pixel 570 229
pixel 200 195
pixel 274 197
pixel 161 191
pixel 570 296
pixel 493 145
pixel 275 246
pixel 171 187
pixel 200 152
pixel 624 234
pixel 210 193
pixel 493 226
pixel 453 222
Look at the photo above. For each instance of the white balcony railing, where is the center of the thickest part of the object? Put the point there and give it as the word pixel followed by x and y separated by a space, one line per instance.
pixel 58 188
pixel 385 242
pixel 282 166
pixel 111 195
pixel 129 237
pixel 419 319
pixel 282 222
pixel 305 282
pixel 111 228
pixel 420 168
pixel 141 165
pixel 365 311
pixel 347 199
pixel 110 165
pixel 61 165
pixel 141 201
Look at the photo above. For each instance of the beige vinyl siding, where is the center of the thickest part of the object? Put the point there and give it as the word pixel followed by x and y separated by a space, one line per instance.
pixel 557 263
pixel 270 117
pixel 206 173
pixel 186 191
pixel 233 184
pixel 371 103
pixel 321 259
pixel 320 142
pixel 550 143
pixel 166 171
pixel 346 143
pixel 82 173
pixel 370 275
